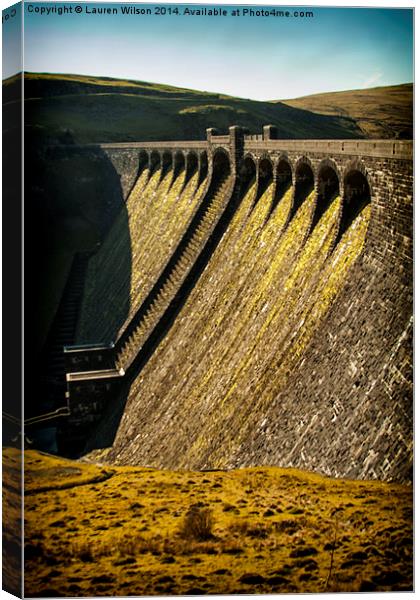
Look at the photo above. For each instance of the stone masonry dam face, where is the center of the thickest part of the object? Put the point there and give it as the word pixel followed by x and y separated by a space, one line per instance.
pixel 269 315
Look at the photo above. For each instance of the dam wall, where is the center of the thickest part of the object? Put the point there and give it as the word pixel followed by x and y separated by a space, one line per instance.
pixel 290 340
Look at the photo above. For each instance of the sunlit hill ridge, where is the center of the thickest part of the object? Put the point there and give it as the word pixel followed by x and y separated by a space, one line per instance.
pixel 85 109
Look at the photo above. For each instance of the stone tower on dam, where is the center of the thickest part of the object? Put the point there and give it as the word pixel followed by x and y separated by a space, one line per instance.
pixel 250 305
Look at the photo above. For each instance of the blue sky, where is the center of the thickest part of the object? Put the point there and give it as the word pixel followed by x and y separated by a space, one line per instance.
pixel 252 57
pixel 12 40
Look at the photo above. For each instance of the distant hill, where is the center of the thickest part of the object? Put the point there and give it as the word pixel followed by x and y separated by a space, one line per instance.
pixel 381 112
pixel 82 109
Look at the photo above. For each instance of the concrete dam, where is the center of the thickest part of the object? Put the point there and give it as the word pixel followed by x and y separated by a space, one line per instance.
pixel 250 305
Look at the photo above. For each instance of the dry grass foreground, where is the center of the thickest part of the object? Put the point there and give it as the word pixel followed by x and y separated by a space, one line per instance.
pixel 94 530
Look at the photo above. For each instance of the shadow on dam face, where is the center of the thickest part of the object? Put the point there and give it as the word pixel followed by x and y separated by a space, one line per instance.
pixel 74 196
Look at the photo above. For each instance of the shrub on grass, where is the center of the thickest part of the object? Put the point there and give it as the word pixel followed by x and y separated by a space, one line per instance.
pixel 198 525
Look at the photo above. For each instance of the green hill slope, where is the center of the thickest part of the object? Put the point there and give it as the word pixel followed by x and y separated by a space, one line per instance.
pixel 81 109
pixel 381 112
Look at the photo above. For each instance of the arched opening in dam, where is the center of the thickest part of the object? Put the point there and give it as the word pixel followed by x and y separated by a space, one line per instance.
pixel 168 162
pixel 284 181
pixel 143 173
pixel 155 162
pixel 221 166
pixel 191 166
pixel 305 182
pixel 178 164
pixel 328 188
pixel 265 177
pixel 203 163
pixel 220 172
pixel 143 163
pixel 247 174
pixel 247 177
pixel 357 196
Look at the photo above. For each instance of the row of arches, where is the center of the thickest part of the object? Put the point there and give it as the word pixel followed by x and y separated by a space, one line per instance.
pixel 325 179
pixel 178 161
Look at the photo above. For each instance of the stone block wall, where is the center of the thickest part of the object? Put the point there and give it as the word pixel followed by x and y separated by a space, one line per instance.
pixel 126 162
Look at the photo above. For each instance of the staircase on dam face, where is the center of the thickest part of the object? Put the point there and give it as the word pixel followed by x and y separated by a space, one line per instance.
pixel 160 298
pixel 94 373
pixel 52 383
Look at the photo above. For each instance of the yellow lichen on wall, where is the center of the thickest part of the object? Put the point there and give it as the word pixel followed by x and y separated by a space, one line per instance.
pixel 249 319
pixel 137 248
pixel 146 243
pixel 294 328
pixel 180 270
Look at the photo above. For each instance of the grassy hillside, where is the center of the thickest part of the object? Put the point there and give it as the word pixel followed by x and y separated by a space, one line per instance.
pixel 381 112
pixel 74 108
pixel 95 530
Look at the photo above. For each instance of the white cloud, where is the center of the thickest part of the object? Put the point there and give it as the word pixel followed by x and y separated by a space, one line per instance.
pixel 370 81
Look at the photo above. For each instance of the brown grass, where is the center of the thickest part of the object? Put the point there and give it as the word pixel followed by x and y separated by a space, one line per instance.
pixel 149 532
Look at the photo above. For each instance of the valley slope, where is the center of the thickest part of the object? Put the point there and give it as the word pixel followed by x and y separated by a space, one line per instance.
pixel 381 112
